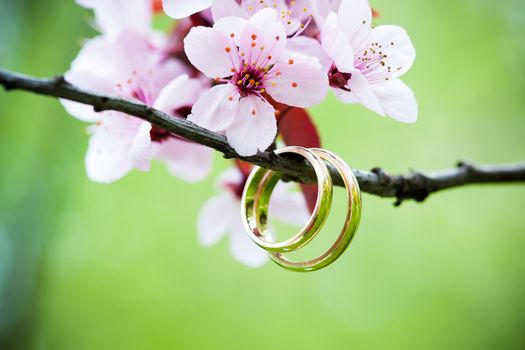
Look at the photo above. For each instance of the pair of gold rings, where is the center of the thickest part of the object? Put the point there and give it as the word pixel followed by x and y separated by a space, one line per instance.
pixel 256 200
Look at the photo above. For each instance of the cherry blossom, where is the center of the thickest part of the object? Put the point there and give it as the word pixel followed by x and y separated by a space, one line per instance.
pixel 294 15
pixel 368 60
pixel 128 66
pixel 249 62
pixel 221 215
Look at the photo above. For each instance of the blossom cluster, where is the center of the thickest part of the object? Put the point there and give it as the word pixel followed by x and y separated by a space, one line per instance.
pixel 246 69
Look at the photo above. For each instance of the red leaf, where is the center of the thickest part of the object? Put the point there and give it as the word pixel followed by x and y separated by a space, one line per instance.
pixel 244 167
pixel 298 129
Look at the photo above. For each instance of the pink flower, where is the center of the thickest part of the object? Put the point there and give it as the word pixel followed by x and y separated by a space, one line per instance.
pixel 294 15
pixel 367 61
pixel 221 215
pixel 249 61
pixel 128 66
pixel 184 8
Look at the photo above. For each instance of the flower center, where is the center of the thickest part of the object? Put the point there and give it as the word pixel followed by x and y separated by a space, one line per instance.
pixel 339 79
pixel 251 69
pixel 250 80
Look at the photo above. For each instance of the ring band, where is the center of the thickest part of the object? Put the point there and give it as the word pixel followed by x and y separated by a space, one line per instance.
pixel 255 215
pixel 266 183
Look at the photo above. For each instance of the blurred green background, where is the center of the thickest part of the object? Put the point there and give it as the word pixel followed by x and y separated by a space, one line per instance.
pixel 91 266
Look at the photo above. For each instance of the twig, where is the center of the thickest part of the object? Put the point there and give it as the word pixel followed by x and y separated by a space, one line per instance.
pixel 416 185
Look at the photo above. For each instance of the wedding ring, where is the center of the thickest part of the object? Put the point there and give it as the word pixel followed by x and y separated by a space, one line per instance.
pixel 266 184
pixel 255 206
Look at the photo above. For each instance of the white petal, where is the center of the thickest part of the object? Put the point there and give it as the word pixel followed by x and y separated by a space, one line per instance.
pixel 265 17
pixel 343 54
pixel 260 46
pixel 184 8
pixel 141 148
pixel 226 8
pixel 242 248
pixel 115 16
pixel 398 100
pixel 229 26
pixel 216 109
pixel 355 18
pixel 109 154
pixel 310 47
pixel 329 33
pixel 344 96
pixel 396 45
pixel 216 218
pixel 188 161
pixel 159 72
pixel 180 92
pixel 254 128
pixel 299 84
pixel 273 34
pixel 206 48
pixel 115 59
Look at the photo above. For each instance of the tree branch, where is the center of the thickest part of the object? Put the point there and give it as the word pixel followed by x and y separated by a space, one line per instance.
pixel 416 185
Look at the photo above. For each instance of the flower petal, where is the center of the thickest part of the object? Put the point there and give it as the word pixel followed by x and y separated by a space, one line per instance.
pixel 141 148
pixel 344 96
pixel 267 33
pixel 184 8
pixel 355 18
pixel 115 59
pixel 206 49
pixel 321 8
pixel 116 16
pixel 254 128
pixel 216 218
pixel 329 33
pixel 397 100
pixel 362 91
pixel 299 84
pixel 109 154
pixel 159 73
pixel 343 54
pixel 242 248
pixel 229 26
pixel 216 109
pixel 186 160
pixel 258 48
pixel 289 207
pixel 180 92
pixel 226 8
pixel 310 47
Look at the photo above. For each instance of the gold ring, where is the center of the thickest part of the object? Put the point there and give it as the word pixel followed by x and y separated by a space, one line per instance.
pixel 255 207
pixel 266 185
